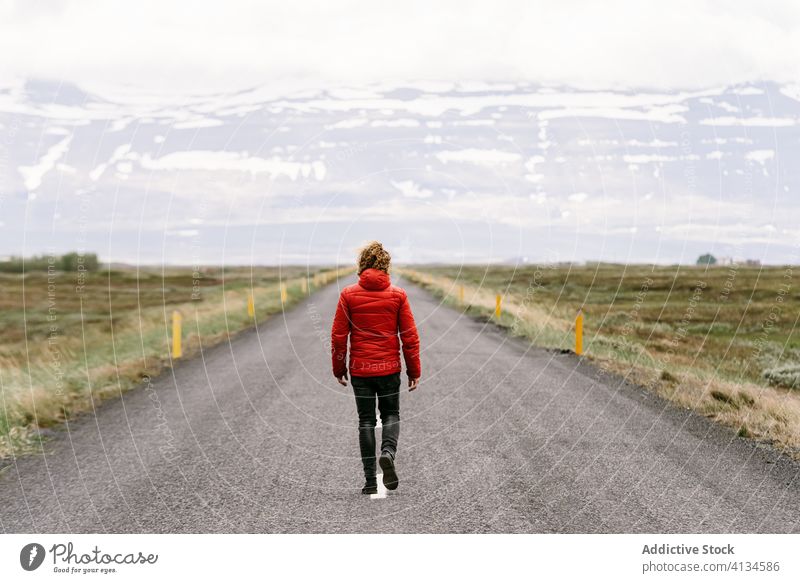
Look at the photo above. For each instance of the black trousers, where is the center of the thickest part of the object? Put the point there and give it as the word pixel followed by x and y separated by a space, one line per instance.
pixel 387 391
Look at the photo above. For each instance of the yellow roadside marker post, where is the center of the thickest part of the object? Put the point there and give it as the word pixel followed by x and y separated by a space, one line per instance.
pixel 461 294
pixel 251 305
pixel 177 351
pixel 284 296
pixel 498 305
pixel 579 333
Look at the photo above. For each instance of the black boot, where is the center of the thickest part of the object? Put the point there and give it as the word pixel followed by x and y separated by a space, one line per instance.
pixel 390 479
pixel 366 439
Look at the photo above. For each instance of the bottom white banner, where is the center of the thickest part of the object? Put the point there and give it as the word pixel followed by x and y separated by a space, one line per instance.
pixel 535 557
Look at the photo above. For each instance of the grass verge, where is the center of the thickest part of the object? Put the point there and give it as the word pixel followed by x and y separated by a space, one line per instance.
pixel 72 339
pixel 715 340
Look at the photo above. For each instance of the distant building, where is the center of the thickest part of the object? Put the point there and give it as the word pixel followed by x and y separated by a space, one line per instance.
pixel 737 261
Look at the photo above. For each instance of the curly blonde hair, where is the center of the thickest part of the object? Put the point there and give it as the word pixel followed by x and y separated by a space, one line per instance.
pixel 374 256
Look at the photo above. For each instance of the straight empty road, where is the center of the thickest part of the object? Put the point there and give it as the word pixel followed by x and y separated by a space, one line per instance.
pixel 256 436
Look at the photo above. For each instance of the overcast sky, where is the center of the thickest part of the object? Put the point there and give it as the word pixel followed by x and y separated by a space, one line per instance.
pixel 198 46
pixel 700 157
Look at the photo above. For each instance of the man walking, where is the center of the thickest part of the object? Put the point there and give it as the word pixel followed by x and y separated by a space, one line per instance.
pixel 373 313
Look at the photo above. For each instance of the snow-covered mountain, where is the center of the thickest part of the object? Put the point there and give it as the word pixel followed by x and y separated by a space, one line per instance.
pixel 438 171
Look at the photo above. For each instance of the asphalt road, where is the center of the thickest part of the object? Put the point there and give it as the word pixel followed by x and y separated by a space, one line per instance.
pixel 256 436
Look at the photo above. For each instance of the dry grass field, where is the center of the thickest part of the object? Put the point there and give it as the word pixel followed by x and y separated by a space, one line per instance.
pixel 721 340
pixel 70 339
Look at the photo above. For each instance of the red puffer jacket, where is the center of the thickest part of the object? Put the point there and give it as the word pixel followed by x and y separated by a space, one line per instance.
pixel 372 312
